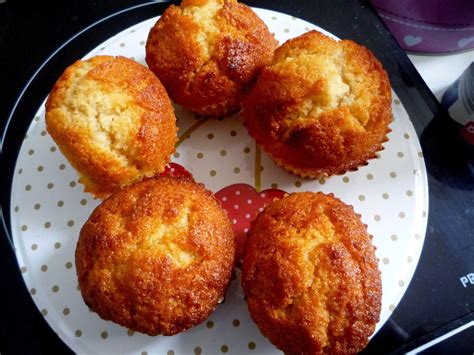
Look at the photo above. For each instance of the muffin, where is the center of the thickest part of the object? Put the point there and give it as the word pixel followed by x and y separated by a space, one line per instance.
pixel 156 257
pixel 311 277
pixel 322 107
pixel 113 121
pixel 207 52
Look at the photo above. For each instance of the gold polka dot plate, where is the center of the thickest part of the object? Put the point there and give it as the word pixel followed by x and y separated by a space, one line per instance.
pixel 49 207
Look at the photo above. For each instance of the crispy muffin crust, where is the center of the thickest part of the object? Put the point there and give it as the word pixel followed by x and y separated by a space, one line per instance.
pixel 113 121
pixel 322 106
pixel 157 256
pixel 311 277
pixel 206 52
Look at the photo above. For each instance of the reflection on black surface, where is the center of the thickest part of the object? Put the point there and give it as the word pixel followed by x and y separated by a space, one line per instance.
pixel 388 339
pixel 456 343
pixel 449 157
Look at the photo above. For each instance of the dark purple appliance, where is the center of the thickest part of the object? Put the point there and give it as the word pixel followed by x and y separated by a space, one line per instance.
pixel 430 26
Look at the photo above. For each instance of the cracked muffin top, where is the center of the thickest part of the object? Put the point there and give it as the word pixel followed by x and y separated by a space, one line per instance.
pixel 113 120
pixel 310 276
pixel 206 53
pixel 157 256
pixel 321 107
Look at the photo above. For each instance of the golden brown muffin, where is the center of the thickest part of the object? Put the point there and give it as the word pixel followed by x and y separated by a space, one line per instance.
pixel 206 52
pixel 322 107
pixel 311 277
pixel 157 256
pixel 113 120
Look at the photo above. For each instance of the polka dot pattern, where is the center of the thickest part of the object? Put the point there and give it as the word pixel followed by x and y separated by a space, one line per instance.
pixel 51 206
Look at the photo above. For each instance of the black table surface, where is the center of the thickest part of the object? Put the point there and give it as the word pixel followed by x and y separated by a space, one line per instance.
pixel 436 300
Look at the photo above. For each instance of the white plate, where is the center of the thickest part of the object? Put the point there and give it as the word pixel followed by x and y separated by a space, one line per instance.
pixel 49 207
